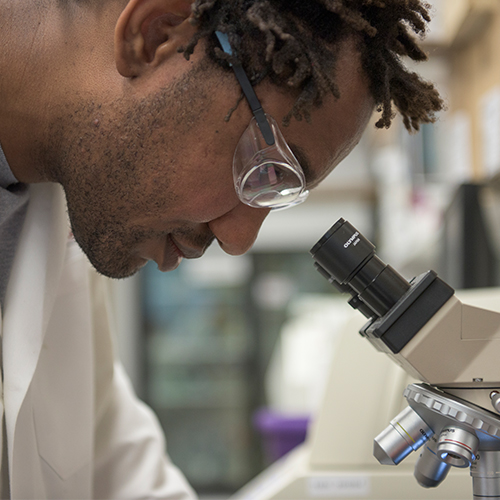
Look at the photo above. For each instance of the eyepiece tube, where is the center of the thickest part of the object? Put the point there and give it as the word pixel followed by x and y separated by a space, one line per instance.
pixel 355 302
pixel 349 258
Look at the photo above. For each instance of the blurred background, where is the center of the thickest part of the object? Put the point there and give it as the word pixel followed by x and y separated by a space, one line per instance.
pixel 232 353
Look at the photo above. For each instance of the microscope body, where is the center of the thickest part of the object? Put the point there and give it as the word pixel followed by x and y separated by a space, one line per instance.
pixel 457 350
pixel 452 347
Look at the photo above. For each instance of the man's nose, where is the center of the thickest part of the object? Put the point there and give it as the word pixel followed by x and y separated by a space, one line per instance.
pixel 237 230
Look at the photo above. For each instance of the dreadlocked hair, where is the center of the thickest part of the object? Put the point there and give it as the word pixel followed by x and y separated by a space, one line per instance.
pixel 294 42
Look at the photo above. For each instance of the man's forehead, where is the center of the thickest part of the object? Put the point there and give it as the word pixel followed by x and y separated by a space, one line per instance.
pixel 322 144
pixel 334 127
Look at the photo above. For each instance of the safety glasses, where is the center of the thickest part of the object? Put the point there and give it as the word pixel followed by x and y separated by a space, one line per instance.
pixel 265 171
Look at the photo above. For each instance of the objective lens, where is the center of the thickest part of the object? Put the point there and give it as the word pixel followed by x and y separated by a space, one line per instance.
pixel 457 447
pixel 406 433
pixel 430 471
pixel 350 259
pixel 485 475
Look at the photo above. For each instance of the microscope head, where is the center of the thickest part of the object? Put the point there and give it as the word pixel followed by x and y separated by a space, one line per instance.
pixel 421 324
pixel 434 337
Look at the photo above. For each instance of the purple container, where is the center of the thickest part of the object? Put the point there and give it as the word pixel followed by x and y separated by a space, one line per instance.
pixel 280 433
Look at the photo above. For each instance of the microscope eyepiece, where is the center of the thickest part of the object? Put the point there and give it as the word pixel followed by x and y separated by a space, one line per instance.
pixel 342 251
pixel 349 258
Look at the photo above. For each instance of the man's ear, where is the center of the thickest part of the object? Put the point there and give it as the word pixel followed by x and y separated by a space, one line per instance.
pixel 149 32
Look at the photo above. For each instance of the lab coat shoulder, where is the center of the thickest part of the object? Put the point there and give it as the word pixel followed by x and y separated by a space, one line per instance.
pixel 75 428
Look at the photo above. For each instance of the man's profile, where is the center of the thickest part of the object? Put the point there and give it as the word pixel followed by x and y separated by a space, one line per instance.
pixel 123 122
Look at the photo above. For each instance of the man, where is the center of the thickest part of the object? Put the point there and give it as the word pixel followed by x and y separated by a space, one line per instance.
pixel 131 113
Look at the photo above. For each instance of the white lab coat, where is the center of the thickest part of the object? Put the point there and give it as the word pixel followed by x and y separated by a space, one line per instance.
pixel 75 430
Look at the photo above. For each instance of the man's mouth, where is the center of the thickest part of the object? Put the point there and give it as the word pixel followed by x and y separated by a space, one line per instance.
pixel 171 257
pixel 169 251
pixel 187 251
pixel 176 246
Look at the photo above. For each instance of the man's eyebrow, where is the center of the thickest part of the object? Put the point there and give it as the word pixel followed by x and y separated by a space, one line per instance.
pixel 303 159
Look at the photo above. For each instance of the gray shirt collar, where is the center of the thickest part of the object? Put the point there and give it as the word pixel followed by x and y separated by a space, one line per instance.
pixel 6 176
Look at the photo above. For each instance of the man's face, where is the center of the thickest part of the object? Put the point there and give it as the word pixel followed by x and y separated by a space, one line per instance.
pixel 149 177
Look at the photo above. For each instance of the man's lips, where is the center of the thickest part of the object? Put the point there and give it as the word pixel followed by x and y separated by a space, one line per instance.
pixel 168 252
pixel 175 246
pixel 189 252
pixel 170 258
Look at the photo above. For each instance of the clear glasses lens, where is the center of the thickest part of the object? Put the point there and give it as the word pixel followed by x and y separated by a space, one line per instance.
pixel 267 176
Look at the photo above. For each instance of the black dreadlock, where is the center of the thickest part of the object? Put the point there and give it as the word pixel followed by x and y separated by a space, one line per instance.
pixel 292 42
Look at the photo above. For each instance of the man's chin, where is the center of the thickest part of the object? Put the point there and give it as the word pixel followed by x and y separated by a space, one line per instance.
pixel 118 270
pixel 116 261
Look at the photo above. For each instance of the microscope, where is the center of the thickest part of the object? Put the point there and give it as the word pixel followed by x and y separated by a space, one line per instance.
pixel 453 416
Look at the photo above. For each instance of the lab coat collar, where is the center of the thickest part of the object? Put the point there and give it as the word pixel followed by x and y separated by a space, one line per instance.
pixel 30 294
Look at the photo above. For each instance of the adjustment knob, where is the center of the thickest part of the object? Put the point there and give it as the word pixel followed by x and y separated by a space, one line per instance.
pixel 495 400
